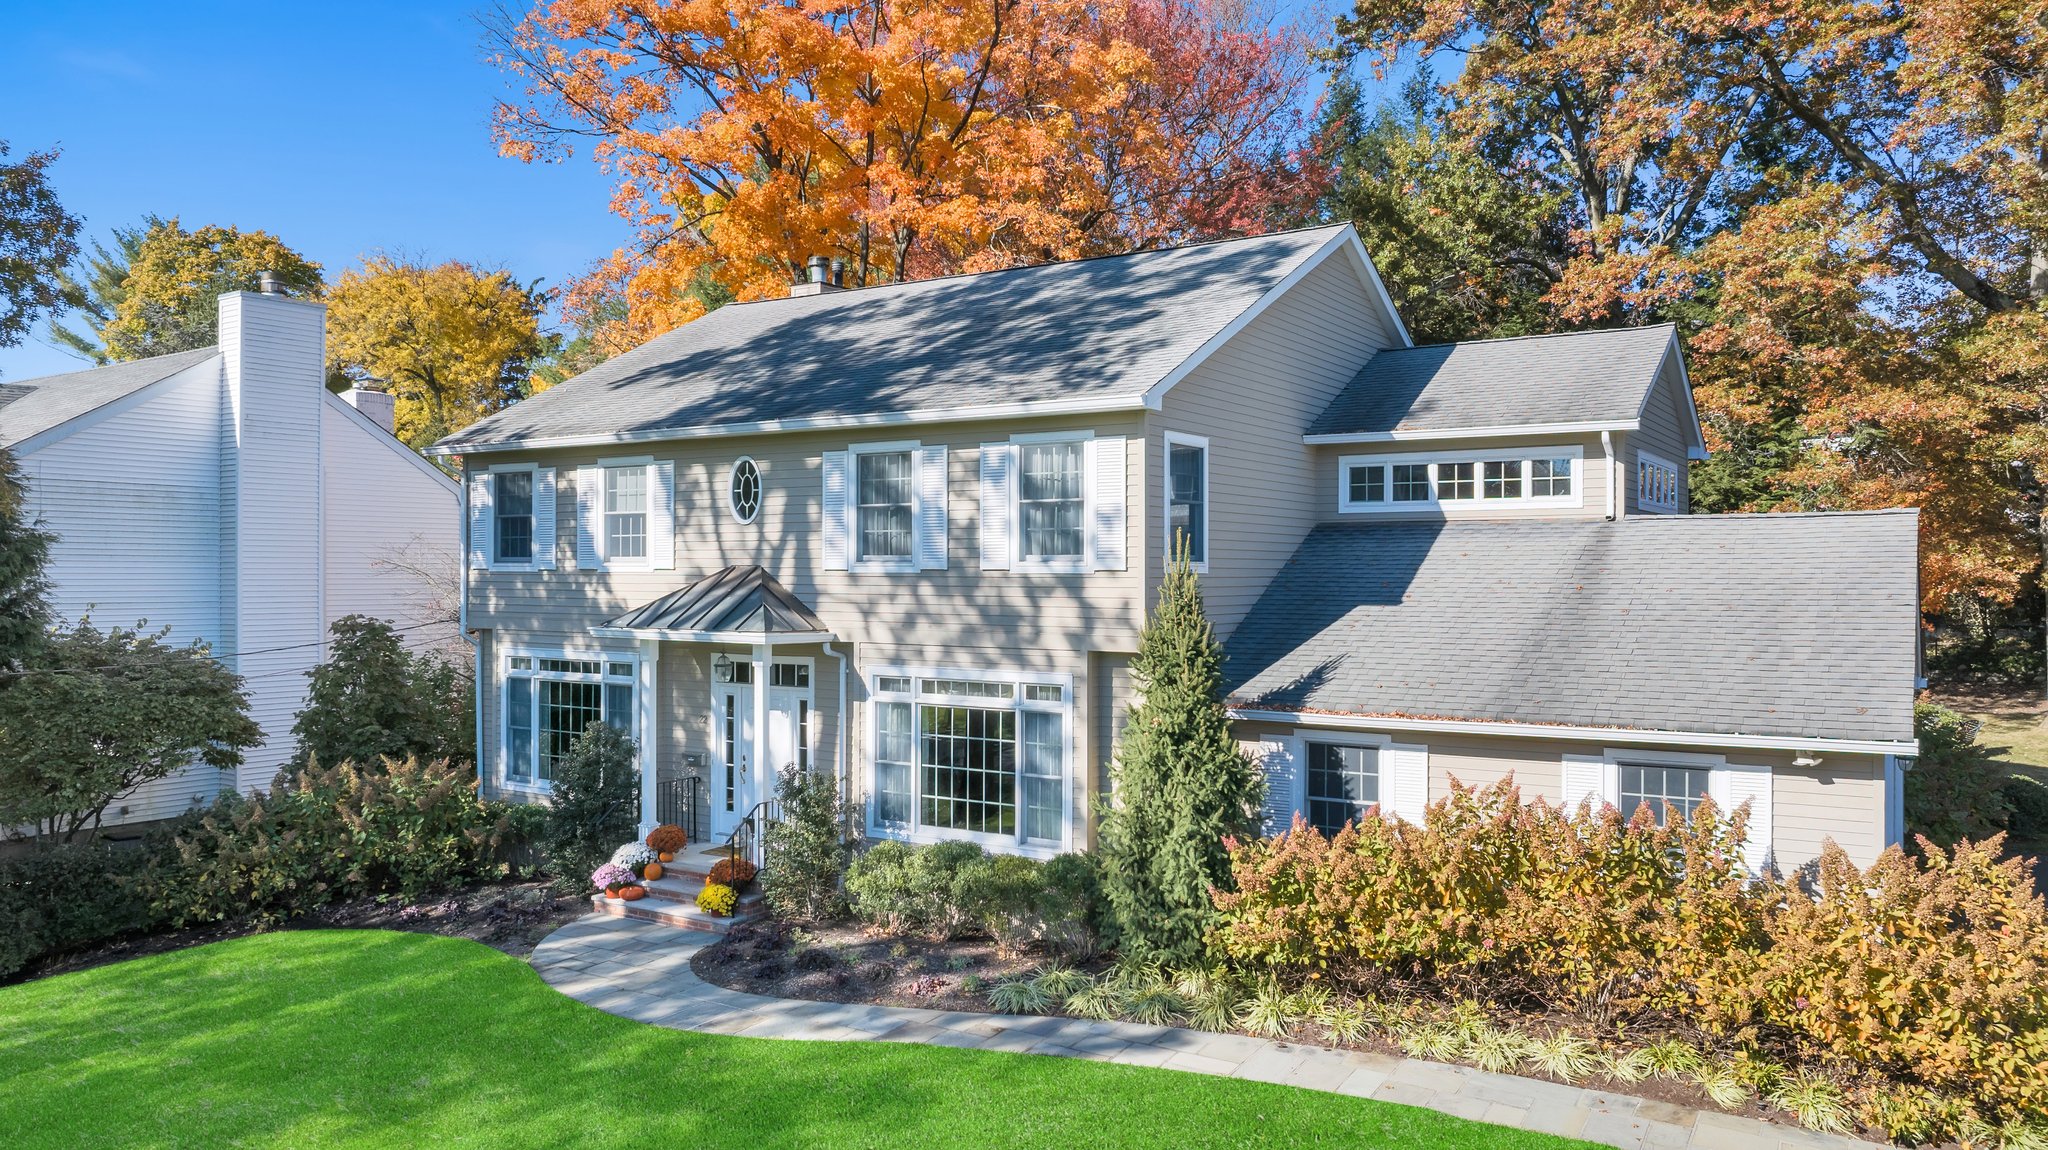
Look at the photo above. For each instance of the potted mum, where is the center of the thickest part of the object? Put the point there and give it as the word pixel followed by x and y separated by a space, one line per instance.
pixel 611 878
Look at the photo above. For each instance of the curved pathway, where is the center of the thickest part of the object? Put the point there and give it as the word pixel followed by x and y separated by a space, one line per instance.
pixel 641 970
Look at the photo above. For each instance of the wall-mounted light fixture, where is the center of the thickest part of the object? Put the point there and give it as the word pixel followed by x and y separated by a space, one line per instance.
pixel 721 669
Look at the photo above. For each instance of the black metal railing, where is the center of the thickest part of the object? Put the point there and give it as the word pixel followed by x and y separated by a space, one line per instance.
pixel 749 840
pixel 680 800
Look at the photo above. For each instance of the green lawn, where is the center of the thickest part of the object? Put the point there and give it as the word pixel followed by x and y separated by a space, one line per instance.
pixel 371 1038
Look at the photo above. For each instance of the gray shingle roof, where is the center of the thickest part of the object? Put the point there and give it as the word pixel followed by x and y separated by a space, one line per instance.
pixel 1579 377
pixel 738 598
pixel 51 400
pixel 1105 328
pixel 1801 625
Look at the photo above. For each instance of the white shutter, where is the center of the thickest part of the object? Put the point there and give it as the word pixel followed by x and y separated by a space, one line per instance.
pixel 544 518
pixel 1752 785
pixel 835 511
pixel 480 522
pixel 931 507
pixel 1583 779
pixel 589 501
pixel 661 515
pixel 1106 503
pixel 1404 781
pixel 998 465
pixel 1279 760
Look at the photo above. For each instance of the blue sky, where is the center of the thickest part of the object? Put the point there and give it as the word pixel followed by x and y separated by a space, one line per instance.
pixel 342 128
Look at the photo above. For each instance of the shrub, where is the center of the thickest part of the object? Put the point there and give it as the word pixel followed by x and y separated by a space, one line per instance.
pixel 1929 971
pixel 1955 789
pixel 327 833
pixel 593 802
pixel 59 898
pixel 372 699
pixel 733 872
pixel 718 899
pixel 667 839
pixel 915 889
pixel 2026 796
pixel 952 889
pixel 1181 784
pixel 807 850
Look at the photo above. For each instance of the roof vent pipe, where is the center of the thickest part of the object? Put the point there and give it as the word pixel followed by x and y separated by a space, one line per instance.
pixel 838 272
pixel 267 283
pixel 819 269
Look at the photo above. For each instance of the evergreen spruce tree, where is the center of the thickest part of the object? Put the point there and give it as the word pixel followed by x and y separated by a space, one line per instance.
pixel 24 588
pixel 1180 785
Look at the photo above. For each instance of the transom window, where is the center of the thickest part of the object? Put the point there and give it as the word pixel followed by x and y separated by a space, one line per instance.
pixel 1383 483
pixel 1051 499
pixel 1342 782
pixel 512 511
pixel 1656 482
pixel 1187 499
pixel 979 757
pixel 883 482
pixel 746 491
pixel 625 512
pixel 1662 788
pixel 551 701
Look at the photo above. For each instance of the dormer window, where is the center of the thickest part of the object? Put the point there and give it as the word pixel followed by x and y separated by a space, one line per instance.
pixel 1656 482
pixel 1540 477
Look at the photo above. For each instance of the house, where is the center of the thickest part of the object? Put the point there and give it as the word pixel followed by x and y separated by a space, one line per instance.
pixel 228 495
pixel 909 534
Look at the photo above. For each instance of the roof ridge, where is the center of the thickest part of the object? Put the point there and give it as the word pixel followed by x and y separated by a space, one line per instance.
pixel 42 380
pixel 1537 336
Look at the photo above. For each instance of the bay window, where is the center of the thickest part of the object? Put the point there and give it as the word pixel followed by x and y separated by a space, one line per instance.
pixel 974 756
pixel 550 701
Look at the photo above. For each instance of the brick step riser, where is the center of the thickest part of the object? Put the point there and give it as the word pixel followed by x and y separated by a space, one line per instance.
pixel 667 893
pixel 670 914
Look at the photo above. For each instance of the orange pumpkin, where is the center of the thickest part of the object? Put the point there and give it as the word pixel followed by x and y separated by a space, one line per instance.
pixel 652 872
pixel 633 893
pixel 667 856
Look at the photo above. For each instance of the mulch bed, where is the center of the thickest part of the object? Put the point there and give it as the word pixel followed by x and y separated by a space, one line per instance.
pixel 845 963
pixel 512 917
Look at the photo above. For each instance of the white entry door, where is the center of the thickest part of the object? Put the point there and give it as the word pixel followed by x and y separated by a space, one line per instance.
pixel 732 749
pixel 744 772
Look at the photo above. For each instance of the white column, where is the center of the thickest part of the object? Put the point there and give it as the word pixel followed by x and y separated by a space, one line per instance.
pixel 644 711
pixel 764 773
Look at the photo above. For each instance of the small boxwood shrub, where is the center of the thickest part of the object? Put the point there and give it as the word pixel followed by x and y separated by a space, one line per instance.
pixel 63 897
pixel 956 889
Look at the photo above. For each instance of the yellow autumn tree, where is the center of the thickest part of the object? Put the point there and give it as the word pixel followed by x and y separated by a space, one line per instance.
pixel 168 299
pixel 452 342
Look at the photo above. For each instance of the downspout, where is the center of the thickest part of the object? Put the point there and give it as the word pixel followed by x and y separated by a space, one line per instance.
pixel 476 645
pixel 845 768
pixel 1613 482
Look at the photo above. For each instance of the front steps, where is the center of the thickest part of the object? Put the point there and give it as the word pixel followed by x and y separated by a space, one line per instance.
pixel 672 898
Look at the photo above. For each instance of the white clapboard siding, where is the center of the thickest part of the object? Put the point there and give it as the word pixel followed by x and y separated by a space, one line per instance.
pixel 480 521
pixel 834 513
pixel 1279 759
pixel 544 518
pixel 389 521
pixel 589 493
pixel 998 467
pixel 1584 778
pixel 931 507
pixel 1108 526
pixel 661 515
pixel 1406 778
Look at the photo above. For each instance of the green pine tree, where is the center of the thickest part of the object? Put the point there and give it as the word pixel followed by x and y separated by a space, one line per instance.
pixel 1180 785
pixel 24 588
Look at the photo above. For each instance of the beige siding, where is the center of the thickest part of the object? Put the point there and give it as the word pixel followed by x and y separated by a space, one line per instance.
pixel 1842 799
pixel 1592 479
pixel 1253 400
pixel 1663 433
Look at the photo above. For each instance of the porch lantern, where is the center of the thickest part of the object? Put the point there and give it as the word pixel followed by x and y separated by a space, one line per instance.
pixel 721 669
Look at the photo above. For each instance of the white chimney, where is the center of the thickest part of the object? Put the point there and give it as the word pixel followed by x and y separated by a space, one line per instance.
pixel 274 356
pixel 380 406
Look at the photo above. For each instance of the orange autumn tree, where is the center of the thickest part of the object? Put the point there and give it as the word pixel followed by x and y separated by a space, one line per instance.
pixel 1844 203
pixel 910 138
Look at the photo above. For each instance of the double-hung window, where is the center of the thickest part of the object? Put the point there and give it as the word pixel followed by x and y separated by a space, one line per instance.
pixel 512 514
pixel 980 756
pixel 626 515
pixel 1342 782
pixel 885 488
pixel 1540 477
pixel 1052 498
pixel 1662 788
pixel 1187 499
pixel 550 701
pixel 625 512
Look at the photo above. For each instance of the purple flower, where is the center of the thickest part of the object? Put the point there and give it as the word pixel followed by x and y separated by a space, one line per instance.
pixel 610 875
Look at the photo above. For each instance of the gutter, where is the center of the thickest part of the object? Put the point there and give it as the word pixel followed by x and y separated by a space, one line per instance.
pixel 1625 735
pixel 1504 431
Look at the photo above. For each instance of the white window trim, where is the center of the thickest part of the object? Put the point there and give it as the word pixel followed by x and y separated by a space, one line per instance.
pixel 533 784
pixel 1378 744
pixel 605 562
pixel 1611 759
pixel 1388 505
pixel 1179 439
pixel 1061 565
pixel 491 545
pixel 1646 459
pixel 906 564
pixel 918 834
pixel 761 495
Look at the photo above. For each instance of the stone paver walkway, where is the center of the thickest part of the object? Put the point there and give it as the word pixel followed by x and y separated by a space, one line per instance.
pixel 641 970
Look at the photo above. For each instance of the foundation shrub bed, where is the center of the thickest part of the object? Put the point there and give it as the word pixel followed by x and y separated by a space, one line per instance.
pixel 1919 984
pixel 62 897
pixel 958 890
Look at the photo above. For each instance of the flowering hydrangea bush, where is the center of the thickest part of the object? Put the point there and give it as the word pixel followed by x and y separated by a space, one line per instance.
pixel 610 877
pixel 634 857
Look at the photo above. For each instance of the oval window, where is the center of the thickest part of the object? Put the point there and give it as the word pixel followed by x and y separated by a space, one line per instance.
pixel 746 490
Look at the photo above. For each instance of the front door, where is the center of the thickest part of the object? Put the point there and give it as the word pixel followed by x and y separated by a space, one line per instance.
pixel 743 770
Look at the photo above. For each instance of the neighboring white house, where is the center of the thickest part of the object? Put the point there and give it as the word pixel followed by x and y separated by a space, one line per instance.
pixel 227 494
